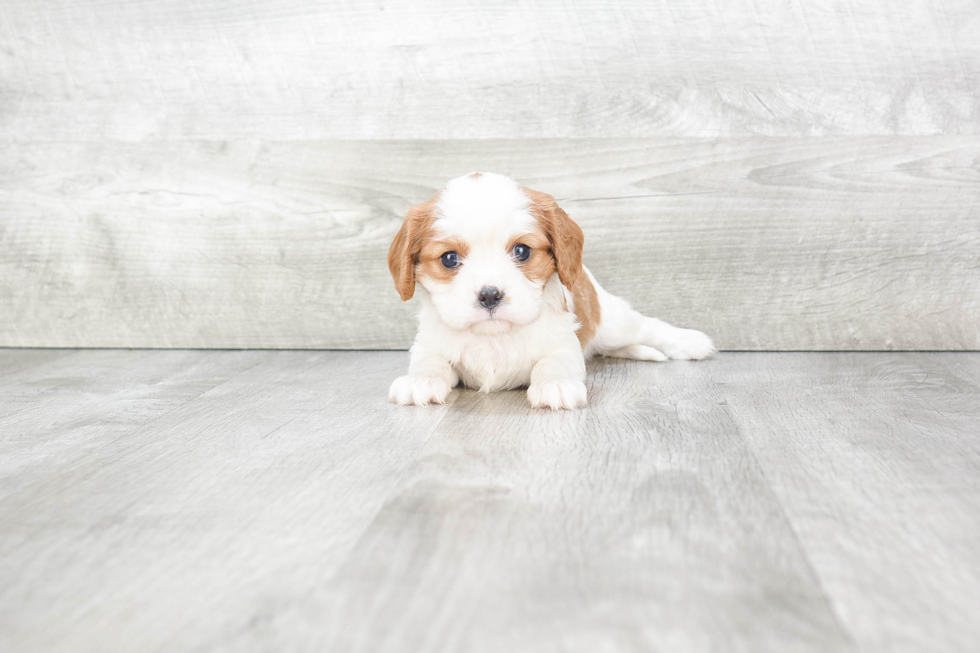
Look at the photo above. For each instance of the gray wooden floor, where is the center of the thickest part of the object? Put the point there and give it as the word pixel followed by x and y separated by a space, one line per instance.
pixel 273 501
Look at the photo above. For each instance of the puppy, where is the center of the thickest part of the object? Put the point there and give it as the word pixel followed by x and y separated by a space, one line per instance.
pixel 506 301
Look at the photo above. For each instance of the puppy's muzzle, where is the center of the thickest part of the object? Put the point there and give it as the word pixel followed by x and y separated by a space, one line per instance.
pixel 489 297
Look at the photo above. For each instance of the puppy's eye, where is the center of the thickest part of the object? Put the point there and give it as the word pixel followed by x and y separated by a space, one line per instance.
pixel 521 252
pixel 450 260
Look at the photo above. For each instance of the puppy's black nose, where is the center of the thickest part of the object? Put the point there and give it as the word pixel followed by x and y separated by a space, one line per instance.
pixel 489 297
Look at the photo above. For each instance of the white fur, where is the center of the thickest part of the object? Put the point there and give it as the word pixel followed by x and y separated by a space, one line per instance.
pixel 486 213
pixel 530 339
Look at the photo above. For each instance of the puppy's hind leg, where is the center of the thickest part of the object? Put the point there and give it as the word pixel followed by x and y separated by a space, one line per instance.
pixel 626 333
pixel 638 353
pixel 675 342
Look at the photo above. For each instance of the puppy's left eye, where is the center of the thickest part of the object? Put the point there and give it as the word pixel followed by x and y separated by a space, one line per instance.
pixel 521 252
pixel 450 260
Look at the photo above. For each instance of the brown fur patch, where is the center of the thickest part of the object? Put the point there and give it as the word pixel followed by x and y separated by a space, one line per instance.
pixel 475 175
pixel 564 236
pixel 540 265
pixel 407 244
pixel 586 309
pixel 566 242
pixel 429 258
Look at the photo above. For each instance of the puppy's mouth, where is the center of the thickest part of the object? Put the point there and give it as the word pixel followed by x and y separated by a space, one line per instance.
pixel 491 326
pixel 490 321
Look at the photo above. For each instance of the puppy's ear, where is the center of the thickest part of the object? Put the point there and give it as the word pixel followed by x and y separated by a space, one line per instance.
pixel 566 237
pixel 405 248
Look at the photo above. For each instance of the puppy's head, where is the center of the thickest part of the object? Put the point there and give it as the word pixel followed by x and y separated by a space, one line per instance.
pixel 484 247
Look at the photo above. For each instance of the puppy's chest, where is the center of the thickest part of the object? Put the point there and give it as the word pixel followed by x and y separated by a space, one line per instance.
pixel 490 364
pixel 504 362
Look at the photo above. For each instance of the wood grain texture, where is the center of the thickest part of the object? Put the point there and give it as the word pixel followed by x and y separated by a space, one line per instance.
pixel 877 462
pixel 772 244
pixel 61 410
pixel 189 529
pixel 292 508
pixel 18 364
pixel 643 523
pixel 255 501
pixel 405 69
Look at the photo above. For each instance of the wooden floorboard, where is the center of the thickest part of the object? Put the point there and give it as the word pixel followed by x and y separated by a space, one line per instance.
pixel 75 405
pixel 876 459
pixel 19 365
pixel 63 380
pixel 251 501
pixel 641 524
pixel 191 529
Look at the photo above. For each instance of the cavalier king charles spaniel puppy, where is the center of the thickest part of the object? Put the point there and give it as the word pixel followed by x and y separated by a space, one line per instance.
pixel 506 302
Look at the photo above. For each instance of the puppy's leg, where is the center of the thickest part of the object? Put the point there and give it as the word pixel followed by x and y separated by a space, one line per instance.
pixel 677 343
pixel 429 380
pixel 638 353
pixel 625 333
pixel 558 379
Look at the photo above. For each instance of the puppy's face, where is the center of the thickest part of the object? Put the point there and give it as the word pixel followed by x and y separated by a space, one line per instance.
pixel 484 247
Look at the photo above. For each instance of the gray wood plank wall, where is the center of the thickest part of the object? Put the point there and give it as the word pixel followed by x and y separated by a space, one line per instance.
pixel 229 174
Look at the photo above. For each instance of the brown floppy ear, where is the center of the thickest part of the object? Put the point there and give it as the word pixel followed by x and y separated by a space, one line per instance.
pixel 405 248
pixel 566 237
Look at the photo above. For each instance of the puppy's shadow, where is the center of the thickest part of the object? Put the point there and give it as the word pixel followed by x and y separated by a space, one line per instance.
pixel 503 402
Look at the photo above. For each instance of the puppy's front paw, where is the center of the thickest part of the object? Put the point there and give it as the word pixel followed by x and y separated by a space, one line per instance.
pixel 688 345
pixel 418 390
pixel 557 395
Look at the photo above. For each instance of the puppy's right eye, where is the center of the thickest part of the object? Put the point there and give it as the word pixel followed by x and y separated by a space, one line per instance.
pixel 450 260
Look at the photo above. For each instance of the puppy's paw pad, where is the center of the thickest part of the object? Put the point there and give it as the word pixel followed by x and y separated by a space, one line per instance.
pixel 557 395
pixel 689 345
pixel 418 391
